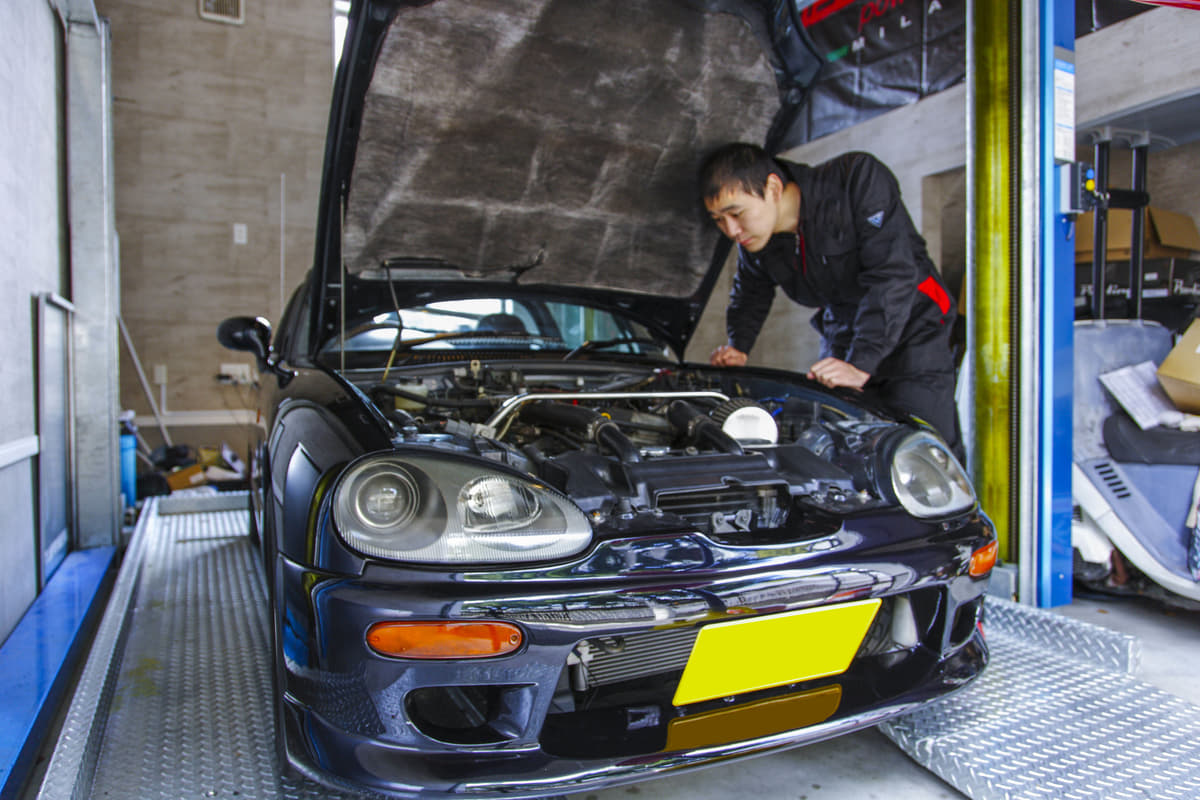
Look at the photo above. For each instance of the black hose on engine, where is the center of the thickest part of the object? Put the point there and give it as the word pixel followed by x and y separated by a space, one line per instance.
pixel 701 427
pixel 597 427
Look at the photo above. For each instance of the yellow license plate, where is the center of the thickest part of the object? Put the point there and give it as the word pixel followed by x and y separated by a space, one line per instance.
pixel 745 655
pixel 753 721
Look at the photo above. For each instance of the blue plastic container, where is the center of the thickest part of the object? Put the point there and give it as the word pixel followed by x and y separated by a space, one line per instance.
pixel 129 468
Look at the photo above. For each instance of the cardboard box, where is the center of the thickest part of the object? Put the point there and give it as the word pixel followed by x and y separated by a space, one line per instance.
pixel 1168 234
pixel 1179 373
pixel 186 477
pixel 1185 277
pixel 1161 277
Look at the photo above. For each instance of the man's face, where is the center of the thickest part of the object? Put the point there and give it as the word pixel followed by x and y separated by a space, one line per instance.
pixel 745 218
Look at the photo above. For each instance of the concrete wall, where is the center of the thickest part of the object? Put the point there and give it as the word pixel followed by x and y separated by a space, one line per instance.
pixel 1137 62
pixel 32 261
pixel 207 118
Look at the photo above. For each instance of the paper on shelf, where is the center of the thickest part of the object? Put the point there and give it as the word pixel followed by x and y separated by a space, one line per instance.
pixel 1137 389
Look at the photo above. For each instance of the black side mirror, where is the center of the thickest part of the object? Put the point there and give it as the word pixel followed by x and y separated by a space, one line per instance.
pixel 252 334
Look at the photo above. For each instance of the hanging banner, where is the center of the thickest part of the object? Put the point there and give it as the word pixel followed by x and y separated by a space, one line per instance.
pixel 878 55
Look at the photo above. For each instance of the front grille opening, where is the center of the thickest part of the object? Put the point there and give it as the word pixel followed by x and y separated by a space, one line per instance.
pixel 929 609
pixel 612 731
pixel 615 696
pixel 965 619
pixel 470 714
pixel 904 623
pixel 608 660
pixel 879 639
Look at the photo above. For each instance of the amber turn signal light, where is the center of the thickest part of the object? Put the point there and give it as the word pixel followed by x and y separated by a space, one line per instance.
pixel 983 559
pixel 443 640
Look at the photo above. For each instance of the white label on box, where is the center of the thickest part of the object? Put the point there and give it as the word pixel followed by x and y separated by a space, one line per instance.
pixel 1150 276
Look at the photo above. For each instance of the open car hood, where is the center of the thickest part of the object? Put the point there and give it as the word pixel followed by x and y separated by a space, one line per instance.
pixel 549 142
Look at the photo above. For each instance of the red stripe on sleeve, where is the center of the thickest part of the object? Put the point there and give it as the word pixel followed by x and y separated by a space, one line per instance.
pixel 934 291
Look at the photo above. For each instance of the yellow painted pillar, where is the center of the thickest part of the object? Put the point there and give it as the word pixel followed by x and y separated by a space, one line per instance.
pixel 994 147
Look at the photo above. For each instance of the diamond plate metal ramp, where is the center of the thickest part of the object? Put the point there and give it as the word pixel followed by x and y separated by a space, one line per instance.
pixel 174 701
pixel 1057 714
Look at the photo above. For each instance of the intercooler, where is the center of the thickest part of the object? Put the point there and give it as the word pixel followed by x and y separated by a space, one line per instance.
pixel 614 659
pixel 607 660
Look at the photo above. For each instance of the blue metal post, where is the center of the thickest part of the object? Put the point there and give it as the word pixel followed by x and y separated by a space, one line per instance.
pixel 1056 312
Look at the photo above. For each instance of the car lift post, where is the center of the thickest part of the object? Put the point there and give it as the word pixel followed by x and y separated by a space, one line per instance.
pixel 1020 274
pixel 1046 556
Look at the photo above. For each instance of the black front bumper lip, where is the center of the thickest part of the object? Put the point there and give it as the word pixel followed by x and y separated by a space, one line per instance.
pixel 529 772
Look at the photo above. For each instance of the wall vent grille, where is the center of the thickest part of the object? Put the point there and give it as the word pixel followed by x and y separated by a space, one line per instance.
pixel 231 12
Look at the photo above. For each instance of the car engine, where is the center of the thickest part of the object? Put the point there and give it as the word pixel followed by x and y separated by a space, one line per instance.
pixel 721 455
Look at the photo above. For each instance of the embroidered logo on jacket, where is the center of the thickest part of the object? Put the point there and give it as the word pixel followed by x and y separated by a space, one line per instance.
pixel 876 219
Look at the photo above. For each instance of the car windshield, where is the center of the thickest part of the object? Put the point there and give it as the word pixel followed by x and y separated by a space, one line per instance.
pixel 530 325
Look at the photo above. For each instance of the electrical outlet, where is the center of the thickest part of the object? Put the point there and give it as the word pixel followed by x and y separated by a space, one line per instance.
pixel 160 374
pixel 239 373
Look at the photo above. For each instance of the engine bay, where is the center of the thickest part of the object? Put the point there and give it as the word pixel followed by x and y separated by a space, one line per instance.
pixel 731 456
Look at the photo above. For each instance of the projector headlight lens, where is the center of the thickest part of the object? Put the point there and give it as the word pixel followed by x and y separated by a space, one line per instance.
pixel 928 480
pixel 434 511
pixel 494 503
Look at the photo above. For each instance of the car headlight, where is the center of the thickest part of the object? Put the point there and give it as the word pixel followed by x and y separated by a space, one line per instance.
pixel 443 511
pixel 927 478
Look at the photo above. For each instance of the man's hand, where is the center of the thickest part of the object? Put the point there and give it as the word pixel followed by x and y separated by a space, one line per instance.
pixel 727 356
pixel 833 372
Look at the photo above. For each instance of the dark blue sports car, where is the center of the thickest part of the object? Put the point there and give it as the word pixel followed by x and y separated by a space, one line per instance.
pixel 515 546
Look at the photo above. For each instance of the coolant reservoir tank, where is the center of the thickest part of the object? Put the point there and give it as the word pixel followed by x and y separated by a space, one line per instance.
pixel 414 391
pixel 746 421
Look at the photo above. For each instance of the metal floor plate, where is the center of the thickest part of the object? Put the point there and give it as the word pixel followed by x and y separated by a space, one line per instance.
pixel 173 701
pixel 1057 715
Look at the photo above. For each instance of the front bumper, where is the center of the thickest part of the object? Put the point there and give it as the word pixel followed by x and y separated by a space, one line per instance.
pixel 528 724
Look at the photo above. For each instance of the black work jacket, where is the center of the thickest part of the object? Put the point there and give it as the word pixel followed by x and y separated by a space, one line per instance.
pixel 859 259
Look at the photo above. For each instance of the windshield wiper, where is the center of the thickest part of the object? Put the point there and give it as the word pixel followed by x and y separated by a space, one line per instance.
pixel 600 344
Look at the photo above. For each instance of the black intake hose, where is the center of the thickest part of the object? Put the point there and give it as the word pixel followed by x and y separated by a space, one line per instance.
pixel 701 427
pixel 598 428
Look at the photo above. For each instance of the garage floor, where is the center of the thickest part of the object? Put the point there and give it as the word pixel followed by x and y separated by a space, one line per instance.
pixel 868 765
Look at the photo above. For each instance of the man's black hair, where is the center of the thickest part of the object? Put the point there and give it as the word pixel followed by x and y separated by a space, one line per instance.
pixel 737 166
